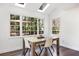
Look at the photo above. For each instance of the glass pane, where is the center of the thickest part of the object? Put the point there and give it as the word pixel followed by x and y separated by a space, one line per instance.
pixel 12 17
pixel 24 18
pixel 17 23
pixel 18 28
pixel 17 17
pixel 12 23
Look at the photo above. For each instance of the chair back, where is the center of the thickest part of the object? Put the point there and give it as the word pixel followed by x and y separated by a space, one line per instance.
pixel 48 42
pixel 27 45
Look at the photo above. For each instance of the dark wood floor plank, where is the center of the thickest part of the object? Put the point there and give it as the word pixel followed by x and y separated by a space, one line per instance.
pixel 63 52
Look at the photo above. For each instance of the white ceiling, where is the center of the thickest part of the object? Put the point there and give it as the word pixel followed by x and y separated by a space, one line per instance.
pixel 33 7
pixel 53 6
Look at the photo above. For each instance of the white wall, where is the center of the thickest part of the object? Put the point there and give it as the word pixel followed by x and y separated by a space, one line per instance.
pixel 69 27
pixel 46 26
pixel 6 42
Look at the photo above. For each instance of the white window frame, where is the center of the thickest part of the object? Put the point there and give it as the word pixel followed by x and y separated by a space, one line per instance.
pixel 20 20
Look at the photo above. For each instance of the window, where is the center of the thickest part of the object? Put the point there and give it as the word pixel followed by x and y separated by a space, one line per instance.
pixel 43 7
pixel 14 25
pixel 20 4
pixel 55 26
pixel 41 27
pixel 29 25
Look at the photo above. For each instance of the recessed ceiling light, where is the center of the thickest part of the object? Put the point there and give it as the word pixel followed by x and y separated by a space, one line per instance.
pixel 20 4
pixel 43 7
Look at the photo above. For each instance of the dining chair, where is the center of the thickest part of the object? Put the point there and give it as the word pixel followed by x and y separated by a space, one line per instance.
pixel 48 44
pixel 27 46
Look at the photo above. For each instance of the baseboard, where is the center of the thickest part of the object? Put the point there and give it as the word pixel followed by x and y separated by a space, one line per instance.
pixel 70 47
pixel 10 53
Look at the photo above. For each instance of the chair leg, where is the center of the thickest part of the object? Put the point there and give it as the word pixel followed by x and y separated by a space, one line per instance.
pixel 52 48
pixel 23 47
pixel 39 47
pixel 23 53
pixel 50 51
pixel 26 51
pixel 36 54
pixel 29 51
pixel 41 51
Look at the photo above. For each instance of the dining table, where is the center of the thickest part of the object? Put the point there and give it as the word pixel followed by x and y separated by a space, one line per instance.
pixel 33 43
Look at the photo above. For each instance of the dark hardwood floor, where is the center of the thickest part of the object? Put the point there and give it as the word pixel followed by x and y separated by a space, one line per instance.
pixel 63 52
pixel 68 52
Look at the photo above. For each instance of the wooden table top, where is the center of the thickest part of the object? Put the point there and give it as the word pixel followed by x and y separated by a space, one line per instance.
pixel 35 39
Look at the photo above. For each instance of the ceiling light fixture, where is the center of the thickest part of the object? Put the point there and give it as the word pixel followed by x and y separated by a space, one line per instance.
pixel 20 4
pixel 43 7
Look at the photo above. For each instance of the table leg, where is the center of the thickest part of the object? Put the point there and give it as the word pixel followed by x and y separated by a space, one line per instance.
pixel 33 49
pixel 23 47
pixel 57 46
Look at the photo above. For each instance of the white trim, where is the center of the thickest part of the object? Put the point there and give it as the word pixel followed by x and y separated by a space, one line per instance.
pixel 20 21
pixel 71 47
